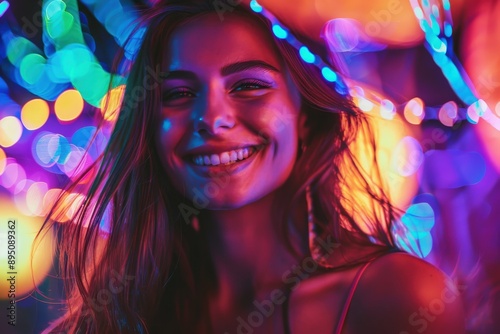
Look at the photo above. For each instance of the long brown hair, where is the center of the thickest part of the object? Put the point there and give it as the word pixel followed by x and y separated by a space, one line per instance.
pixel 150 268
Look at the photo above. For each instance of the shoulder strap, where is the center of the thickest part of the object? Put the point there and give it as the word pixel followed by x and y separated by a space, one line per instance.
pixel 343 315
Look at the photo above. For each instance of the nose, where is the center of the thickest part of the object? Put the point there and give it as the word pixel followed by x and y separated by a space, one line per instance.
pixel 215 115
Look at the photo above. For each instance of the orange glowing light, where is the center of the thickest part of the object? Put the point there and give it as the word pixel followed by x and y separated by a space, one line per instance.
pixel 34 114
pixel 69 105
pixel 17 233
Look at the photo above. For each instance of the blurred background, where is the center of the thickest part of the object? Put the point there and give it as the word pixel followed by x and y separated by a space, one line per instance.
pixel 429 71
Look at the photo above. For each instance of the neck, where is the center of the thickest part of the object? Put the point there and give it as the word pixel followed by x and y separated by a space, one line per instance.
pixel 247 247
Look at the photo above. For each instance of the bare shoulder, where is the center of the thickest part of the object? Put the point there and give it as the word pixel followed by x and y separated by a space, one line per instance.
pixel 400 293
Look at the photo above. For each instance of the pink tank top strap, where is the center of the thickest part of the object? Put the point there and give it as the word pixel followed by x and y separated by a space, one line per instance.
pixel 343 315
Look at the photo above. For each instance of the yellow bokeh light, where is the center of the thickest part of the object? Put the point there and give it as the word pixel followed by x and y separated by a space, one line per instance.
pixel 11 131
pixel 34 114
pixel 69 105
pixel 111 103
pixel 3 161
pixel 18 270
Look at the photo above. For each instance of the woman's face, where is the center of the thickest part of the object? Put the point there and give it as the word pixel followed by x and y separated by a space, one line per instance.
pixel 229 131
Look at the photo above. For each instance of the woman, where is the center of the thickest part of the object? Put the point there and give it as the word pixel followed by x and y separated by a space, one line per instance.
pixel 229 184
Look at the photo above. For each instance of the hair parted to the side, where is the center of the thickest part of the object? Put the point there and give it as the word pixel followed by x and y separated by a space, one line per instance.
pixel 151 270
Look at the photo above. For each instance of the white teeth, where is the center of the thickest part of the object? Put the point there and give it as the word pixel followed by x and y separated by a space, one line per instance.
pixel 234 156
pixel 214 158
pixel 224 157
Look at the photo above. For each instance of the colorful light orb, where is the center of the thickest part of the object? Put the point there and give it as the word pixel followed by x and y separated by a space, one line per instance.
pixel 34 198
pixel 78 161
pixel 110 104
pixel 3 161
pixel 49 149
pixel 365 104
pixel 497 109
pixel 83 136
pixel 4 5
pixel 255 6
pixel 448 113
pixel 69 105
pixel 343 35
pixel 76 60
pixel 419 219
pixel 387 109
pixel 88 139
pixel 328 74
pixel 307 55
pixel 11 131
pixel 32 67
pixel 414 111
pixel 279 31
pixel 54 69
pixel 93 85
pixel 114 17
pixel 476 110
pixel 19 196
pixel 49 199
pixel 407 157
pixel 54 8
pixel 18 48
pixel 30 271
pixel 60 24
pixel 34 114
pixel 13 176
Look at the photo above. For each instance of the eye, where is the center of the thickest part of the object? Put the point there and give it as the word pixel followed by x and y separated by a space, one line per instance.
pixel 176 94
pixel 249 85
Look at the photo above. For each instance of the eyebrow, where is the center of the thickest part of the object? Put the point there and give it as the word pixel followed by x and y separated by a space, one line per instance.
pixel 247 65
pixel 226 70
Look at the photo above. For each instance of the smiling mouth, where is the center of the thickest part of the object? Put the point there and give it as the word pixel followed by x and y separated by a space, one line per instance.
pixel 225 158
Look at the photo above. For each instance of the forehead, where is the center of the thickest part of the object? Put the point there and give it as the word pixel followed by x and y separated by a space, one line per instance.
pixel 206 41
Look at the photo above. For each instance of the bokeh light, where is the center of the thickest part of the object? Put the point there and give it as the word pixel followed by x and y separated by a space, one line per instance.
pixel 4 5
pixel 387 109
pixel 93 85
pixel 448 113
pixel 49 149
pixel 3 161
pixel 11 131
pixel 407 157
pixel 111 103
pixel 306 55
pixel 34 197
pixel 419 219
pixel 414 111
pixel 279 31
pixel 29 271
pixel 34 114
pixel 69 105
pixel 32 67
pixel 13 175
pixel 18 48
pixel 49 199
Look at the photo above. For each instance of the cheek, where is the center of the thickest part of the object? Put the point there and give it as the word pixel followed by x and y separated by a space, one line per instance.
pixel 274 119
pixel 169 136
